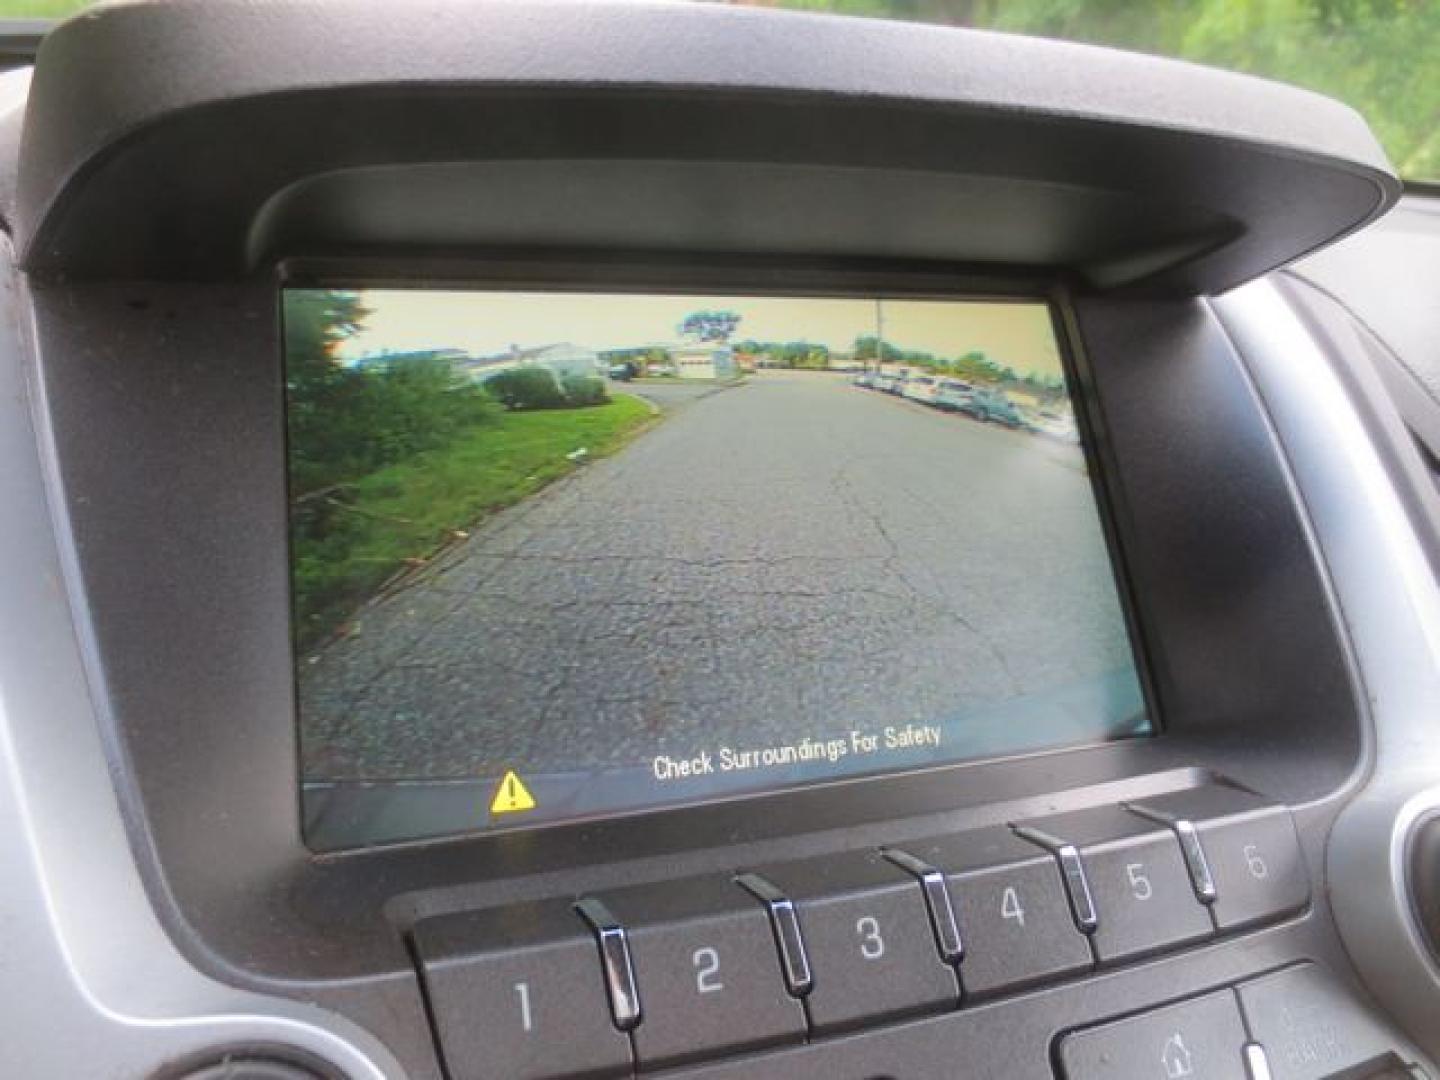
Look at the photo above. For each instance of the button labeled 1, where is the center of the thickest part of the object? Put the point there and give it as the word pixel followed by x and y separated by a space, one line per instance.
pixel 869 939
pixel 518 992
pixel 708 973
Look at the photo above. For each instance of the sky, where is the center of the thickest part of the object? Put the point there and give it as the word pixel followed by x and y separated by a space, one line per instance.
pixel 1017 335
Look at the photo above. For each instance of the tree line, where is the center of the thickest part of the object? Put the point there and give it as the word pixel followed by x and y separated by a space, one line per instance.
pixel 346 422
pixel 1378 56
pixel 349 420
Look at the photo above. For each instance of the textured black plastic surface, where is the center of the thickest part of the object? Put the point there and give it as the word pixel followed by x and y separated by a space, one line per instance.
pixel 293 127
pixel 176 143
pixel 179 515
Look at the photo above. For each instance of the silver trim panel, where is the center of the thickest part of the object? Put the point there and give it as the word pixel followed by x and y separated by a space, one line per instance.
pixel 1072 873
pixel 937 902
pixel 103 980
pixel 785 923
pixel 1257 1065
pixel 1191 850
pixel 1390 603
pixel 615 960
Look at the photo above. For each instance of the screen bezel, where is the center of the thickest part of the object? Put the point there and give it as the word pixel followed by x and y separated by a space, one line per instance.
pixel 922 786
pixel 170 480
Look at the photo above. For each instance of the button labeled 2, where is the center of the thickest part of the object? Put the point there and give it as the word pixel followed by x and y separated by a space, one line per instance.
pixel 707 970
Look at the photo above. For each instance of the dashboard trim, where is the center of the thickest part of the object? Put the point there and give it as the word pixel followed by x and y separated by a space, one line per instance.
pixel 1202 180
pixel 103 978
pixel 1391 605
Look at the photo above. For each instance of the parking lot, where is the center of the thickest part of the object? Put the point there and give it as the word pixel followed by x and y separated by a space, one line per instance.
pixel 794 554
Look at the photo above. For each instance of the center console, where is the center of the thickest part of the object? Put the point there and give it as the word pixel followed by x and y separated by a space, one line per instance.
pixel 890 622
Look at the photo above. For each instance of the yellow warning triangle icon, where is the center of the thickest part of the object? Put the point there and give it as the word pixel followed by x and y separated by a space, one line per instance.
pixel 512 795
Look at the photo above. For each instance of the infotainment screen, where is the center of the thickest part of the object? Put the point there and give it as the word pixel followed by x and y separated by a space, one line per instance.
pixel 559 556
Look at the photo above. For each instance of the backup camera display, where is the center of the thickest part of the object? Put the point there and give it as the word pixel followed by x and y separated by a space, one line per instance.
pixel 567 555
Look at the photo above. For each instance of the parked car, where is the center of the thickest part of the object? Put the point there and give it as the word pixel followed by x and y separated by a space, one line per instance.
pixel 953 395
pixel 884 381
pixel 995 406
pixel 622 372
pixel 863 380
pixel 1056 426
pixel 921 388
pixel 661 370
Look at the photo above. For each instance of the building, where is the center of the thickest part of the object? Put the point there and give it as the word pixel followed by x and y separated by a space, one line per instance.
pixel 703 360
pixel 562 359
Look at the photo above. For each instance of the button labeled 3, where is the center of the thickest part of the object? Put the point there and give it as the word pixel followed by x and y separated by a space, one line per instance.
pixel 869 937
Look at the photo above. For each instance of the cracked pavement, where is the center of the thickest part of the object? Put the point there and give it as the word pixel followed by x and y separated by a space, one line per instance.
pixel 790 557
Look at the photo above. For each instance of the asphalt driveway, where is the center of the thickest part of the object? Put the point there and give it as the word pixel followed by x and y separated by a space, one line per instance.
pixel 793 556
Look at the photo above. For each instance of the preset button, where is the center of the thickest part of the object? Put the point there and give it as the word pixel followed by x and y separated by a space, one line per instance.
pixel 707 970
pixel 519 992
pixel 1251 848
pixel 1015 921
pixel 868 934
pixel 1143 897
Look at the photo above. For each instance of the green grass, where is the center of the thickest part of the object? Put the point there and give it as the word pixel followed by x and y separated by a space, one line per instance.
pixel 375 528
pixel 41 9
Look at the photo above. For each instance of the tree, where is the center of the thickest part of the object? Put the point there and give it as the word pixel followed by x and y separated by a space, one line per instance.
pixel 715 326
pixel 1375 55
pixel 868 347
pixel 316 323
pixel 344 421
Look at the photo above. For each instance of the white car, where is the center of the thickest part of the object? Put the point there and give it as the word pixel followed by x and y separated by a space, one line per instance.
pixel 953 395
pixel 921 388
pixel 1057 426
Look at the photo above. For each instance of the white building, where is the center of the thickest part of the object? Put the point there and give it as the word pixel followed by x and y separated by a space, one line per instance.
pixel 562 359
pixel 702 360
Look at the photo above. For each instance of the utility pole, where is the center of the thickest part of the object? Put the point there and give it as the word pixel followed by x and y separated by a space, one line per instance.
pixel 879 334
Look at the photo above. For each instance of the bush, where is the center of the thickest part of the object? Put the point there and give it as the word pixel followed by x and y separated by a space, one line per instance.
pixel 541 388
pixel 584 389
pixel 345 423
pixel 527 388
